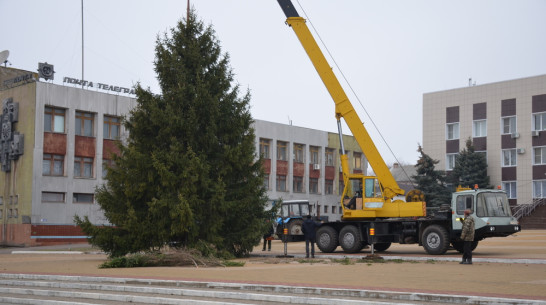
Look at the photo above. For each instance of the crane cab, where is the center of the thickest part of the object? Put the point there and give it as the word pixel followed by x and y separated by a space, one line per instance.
pixel 363 198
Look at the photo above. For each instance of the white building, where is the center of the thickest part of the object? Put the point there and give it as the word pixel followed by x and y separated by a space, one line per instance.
pixel 68 135
pixel 303 163
pixel 57 138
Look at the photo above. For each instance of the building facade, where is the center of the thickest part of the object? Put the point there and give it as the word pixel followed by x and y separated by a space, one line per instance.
pixel 303 163
pixel 68 134
pixel 57 140
pixel 506 121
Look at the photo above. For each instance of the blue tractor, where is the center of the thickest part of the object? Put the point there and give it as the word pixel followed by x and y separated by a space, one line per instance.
pixel 291 218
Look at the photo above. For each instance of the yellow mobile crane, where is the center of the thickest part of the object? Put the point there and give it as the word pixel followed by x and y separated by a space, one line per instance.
pixel 378 218
pixel 375 199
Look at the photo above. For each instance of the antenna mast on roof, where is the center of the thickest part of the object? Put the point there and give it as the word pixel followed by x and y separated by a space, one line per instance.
pixel 187 13
pixel 82 46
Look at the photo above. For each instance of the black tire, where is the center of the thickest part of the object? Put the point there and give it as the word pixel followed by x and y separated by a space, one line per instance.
pixel 459 246
pixel 327 241
pixel 435 240
pixel 364 246
pixel 350 239
pixel 380 247
pixel 294 227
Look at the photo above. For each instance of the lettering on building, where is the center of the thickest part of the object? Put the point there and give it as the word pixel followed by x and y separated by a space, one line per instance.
pixel 89 84
pixel 8 83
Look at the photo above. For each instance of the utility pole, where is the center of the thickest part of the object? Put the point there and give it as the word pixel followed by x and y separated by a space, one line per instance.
pixel 82 45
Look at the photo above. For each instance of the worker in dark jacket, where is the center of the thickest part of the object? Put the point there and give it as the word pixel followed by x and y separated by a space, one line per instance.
pixel 467 235
pixel 268 236
pixel 309 229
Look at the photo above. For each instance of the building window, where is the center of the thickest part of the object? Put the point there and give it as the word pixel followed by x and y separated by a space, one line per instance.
pixel 511 189
pixel 266 181
pixel 313 185
pixel 341 187
pixel 314 155
pixel 53 165
pixel 539 155
pixel 106 164
pixel 298 153
pixel 298 184
pixel 54 119
pixel 281 183
pixel 83 167
pixel 329 155
pixel 328 187
pixel 264 148
pixel 282 154
pixel 325 209
pixel 479 128
pixel 539 189
pixel 452 131
pixel 357 157
pixel 484 154
pixel 111 127
pixel 508 125
pixel 82 198
pixel 53 197
pixel 84 123
pixel 450 161
pixel 539 121
pixel 509 157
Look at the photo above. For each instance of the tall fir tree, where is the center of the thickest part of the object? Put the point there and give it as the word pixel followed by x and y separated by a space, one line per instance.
pixel 470 168
pixel 431 181
pixel 188 171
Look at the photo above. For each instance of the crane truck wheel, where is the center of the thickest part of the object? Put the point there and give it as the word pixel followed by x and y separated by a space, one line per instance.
pixel 459 246
pixel 435 240
pixel 327 240
pixel 380 247
pixel 350 239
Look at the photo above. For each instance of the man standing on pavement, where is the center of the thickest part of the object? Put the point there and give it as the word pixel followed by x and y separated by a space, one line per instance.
pixel 309 229
pixel 467 235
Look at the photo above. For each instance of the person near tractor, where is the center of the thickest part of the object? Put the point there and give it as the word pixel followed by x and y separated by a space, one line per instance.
pixel 467 235
pixel 309 229
pixel 268 236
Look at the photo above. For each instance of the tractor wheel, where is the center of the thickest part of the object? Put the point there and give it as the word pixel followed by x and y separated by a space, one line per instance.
pixel 350 239
pixel 327 240
pixel 435 240
pixel 294 227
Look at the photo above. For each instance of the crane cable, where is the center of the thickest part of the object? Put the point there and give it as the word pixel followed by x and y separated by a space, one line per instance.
pixel 353 91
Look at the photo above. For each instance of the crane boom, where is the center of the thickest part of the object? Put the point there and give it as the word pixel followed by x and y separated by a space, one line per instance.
pixel 343 107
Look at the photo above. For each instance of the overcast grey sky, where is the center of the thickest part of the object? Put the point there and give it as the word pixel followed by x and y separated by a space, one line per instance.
pixel 391 52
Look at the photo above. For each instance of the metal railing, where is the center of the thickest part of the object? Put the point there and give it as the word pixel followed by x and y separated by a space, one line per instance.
pixel 526 209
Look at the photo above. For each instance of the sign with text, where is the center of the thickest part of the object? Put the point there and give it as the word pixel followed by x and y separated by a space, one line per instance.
pixel 101 86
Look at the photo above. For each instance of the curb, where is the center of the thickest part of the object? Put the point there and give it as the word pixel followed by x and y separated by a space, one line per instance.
pixel 303 293
pixel 421 258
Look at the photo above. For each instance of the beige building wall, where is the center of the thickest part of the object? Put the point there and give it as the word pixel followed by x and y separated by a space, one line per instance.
pixel 15 199
pixel 522 90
